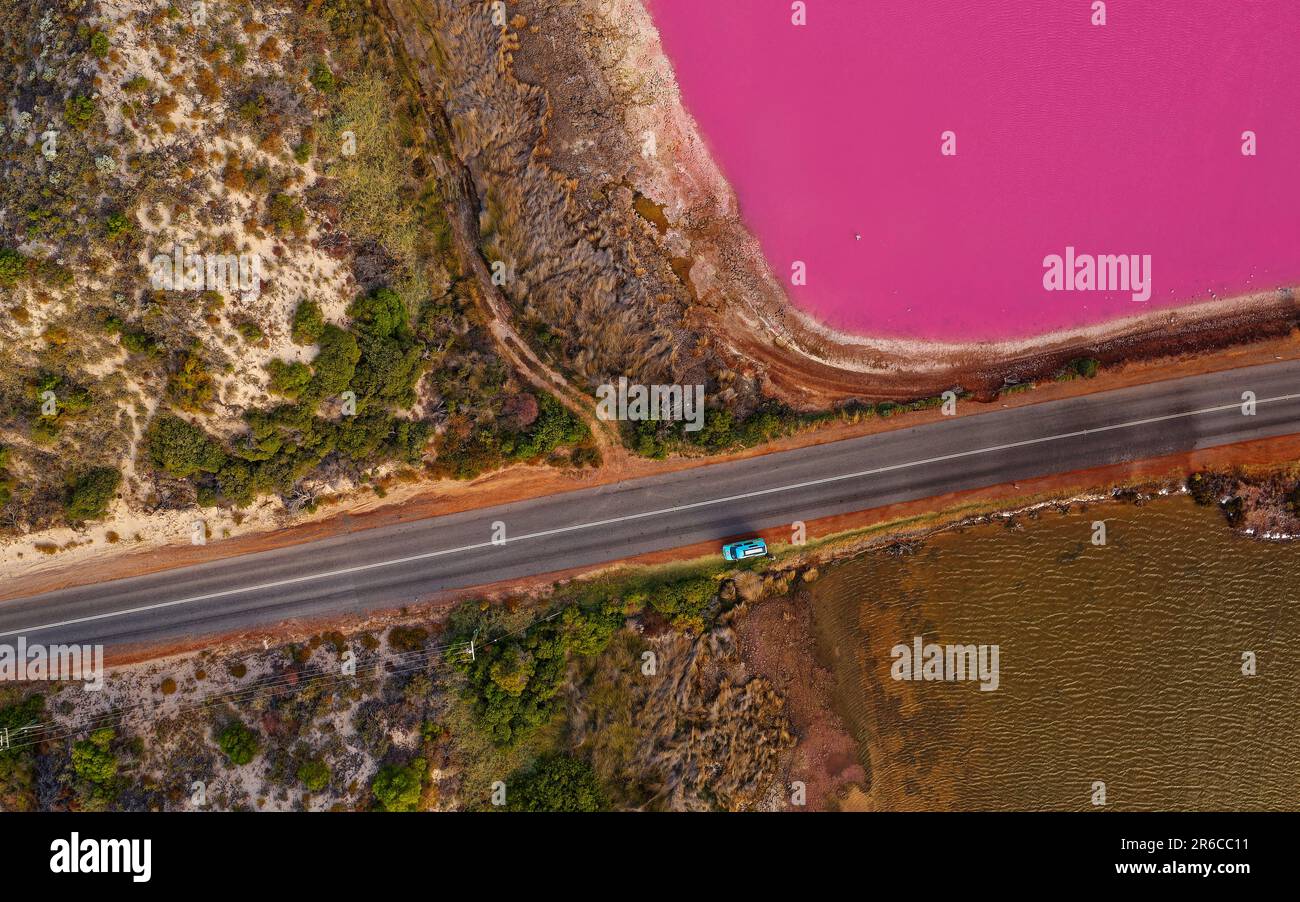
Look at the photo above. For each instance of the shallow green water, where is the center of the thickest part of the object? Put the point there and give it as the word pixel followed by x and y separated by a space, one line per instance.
pixel 1119 663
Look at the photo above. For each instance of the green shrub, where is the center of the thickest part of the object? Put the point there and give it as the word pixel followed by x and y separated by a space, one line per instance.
pixel 13 266
pixel 466 455
pixel 464 450
pixel 555 425
pixel 387 372
pixel 44 431
pixel 398 788
pixel 99 46
pixel 683 601
pixel 391 360
pixel 1015 388
pixel 253 109
pixel 556 783
pixel 78 111
pixel 116 224
pixel 288 379
pixel 89 494
pixel 190 386
pixel 1085 367
pixel 308 323
pixel 140 342
pixel 335 363
pixel 92 759
pixel 286 215
pixel 588 630
pixel 322 78
pixel 380 314
pixel 70 398
pixel 314 774
pixel 721 431
pixel 6 480
pixel 250 331
pixel 512 669
pixel 181 449
pixel 18 762
pixel 650 438
pixel 514 686
pixel 238 743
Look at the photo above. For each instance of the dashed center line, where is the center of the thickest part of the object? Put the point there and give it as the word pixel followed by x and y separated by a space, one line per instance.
pixel 560 530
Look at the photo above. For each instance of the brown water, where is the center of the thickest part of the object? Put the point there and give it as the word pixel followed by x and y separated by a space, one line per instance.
pixel 1120 663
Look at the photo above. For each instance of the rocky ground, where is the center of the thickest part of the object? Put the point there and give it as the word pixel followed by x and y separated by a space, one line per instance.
pixel 620 132
pixel 637 686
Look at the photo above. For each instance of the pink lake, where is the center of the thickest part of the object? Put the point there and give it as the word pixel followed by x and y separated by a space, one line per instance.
pixel 1116 139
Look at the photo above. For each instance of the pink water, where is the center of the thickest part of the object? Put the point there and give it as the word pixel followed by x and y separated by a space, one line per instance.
pixel 1120 139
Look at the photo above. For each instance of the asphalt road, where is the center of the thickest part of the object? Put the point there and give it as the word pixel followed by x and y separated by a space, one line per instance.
pixel 390 566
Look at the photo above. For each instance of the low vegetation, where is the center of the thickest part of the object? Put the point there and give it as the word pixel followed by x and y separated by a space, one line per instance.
pixel 557 710
pixel 289 130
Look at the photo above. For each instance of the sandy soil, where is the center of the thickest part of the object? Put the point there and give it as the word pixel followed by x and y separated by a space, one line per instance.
pixel 291 269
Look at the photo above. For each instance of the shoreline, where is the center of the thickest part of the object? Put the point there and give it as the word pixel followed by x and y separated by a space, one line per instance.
pixel 809 361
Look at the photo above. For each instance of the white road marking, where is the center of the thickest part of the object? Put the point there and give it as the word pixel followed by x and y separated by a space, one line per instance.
pixel 645 514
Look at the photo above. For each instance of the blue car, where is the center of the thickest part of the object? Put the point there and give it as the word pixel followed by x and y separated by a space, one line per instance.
pixel 744 550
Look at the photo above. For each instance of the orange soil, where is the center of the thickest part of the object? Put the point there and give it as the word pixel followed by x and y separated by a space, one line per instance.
pixel 1256 453
pixel 520 483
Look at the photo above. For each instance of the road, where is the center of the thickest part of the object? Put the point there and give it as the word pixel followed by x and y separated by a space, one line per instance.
pixel 391 566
